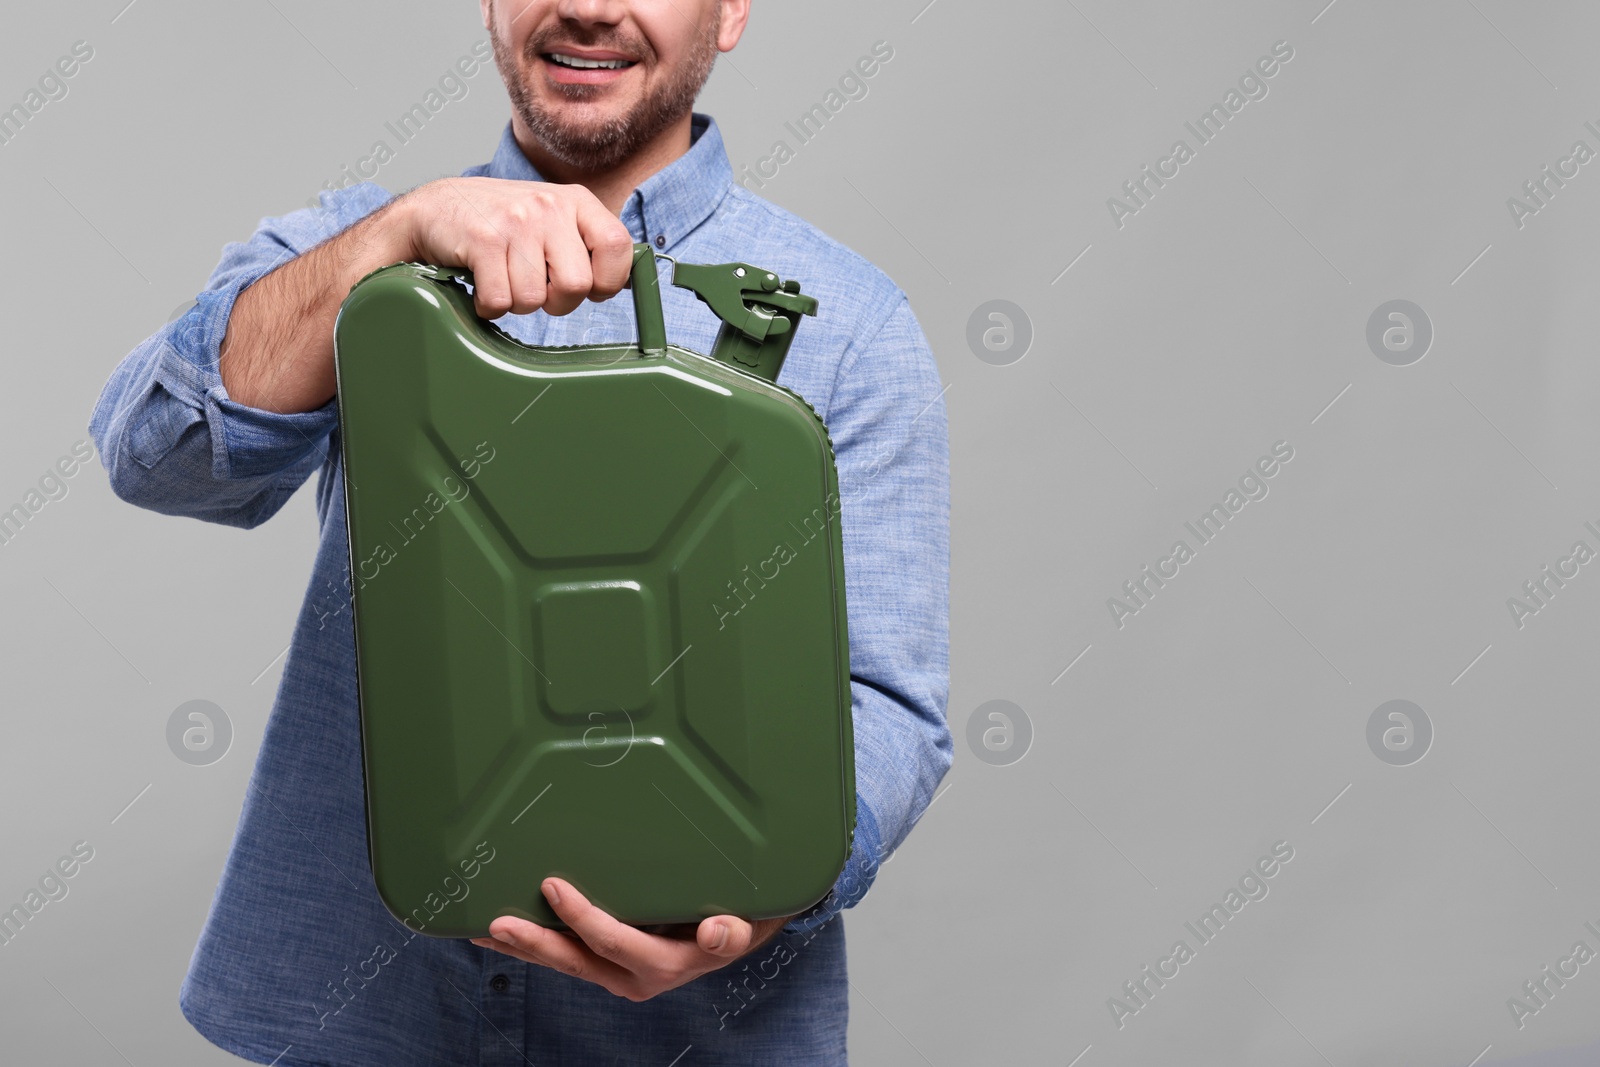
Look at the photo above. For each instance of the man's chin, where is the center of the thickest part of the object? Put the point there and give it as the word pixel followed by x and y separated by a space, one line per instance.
pixel 587 146
pixel 582 132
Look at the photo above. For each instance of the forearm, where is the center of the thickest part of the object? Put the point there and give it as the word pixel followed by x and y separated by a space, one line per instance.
pixel 277 353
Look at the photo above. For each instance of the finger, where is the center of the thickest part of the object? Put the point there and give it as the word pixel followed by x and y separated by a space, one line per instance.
pixel 507 949
pixel 617 942
pixel 491 289
pixel 725 936
pixel 610 247
pixel 525 269
pixel 502 948
pixel 535 944
pixel 568 257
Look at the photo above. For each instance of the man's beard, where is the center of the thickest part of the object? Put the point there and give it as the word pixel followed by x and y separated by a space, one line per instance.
pixel 601 145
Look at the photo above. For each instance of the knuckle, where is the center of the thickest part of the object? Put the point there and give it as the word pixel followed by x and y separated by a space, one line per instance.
pixel 606 946
pixel 575 283
pixel 533 290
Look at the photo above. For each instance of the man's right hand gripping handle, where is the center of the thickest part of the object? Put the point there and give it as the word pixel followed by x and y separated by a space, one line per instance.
pixel 222 415
pixel 529 245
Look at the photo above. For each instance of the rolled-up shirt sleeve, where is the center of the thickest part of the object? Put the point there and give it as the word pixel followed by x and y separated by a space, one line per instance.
pixel 172 439
pixel 891 444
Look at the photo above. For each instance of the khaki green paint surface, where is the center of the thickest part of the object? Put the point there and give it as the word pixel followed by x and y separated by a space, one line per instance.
pixel 604 641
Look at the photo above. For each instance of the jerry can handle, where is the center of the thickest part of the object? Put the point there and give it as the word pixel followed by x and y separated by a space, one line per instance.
pixel 642 279
pixel 646 286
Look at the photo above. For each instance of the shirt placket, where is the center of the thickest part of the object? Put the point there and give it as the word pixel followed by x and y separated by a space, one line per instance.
pixel 632 216
pixel 502 1009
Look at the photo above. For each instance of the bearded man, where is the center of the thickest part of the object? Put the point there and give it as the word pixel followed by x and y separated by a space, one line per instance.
pixel 223 414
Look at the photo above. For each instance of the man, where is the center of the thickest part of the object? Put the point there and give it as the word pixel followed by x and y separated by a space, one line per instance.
pixel 224 413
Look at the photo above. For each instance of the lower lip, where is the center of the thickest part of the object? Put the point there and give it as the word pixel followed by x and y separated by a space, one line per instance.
pixel 589 76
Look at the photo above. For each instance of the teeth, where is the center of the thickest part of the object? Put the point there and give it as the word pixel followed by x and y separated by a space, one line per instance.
pixel 588 64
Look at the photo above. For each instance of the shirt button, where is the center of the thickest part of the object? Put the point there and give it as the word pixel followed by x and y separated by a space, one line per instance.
pixel 661 240
pixel 499 983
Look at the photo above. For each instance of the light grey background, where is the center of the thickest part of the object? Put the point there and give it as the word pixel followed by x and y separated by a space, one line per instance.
pixel 1168 354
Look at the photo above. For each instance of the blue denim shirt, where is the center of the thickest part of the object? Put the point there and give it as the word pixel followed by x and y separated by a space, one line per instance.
pixel 299 962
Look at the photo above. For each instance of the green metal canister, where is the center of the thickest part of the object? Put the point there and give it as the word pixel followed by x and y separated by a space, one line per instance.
pixel 599 608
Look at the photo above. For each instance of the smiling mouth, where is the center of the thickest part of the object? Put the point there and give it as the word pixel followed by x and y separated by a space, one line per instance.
pixel 571 62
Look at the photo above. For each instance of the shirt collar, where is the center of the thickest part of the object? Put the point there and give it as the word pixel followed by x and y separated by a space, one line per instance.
pixel 666 206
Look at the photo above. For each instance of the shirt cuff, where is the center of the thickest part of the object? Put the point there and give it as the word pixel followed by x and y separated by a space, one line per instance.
pixel 247 441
